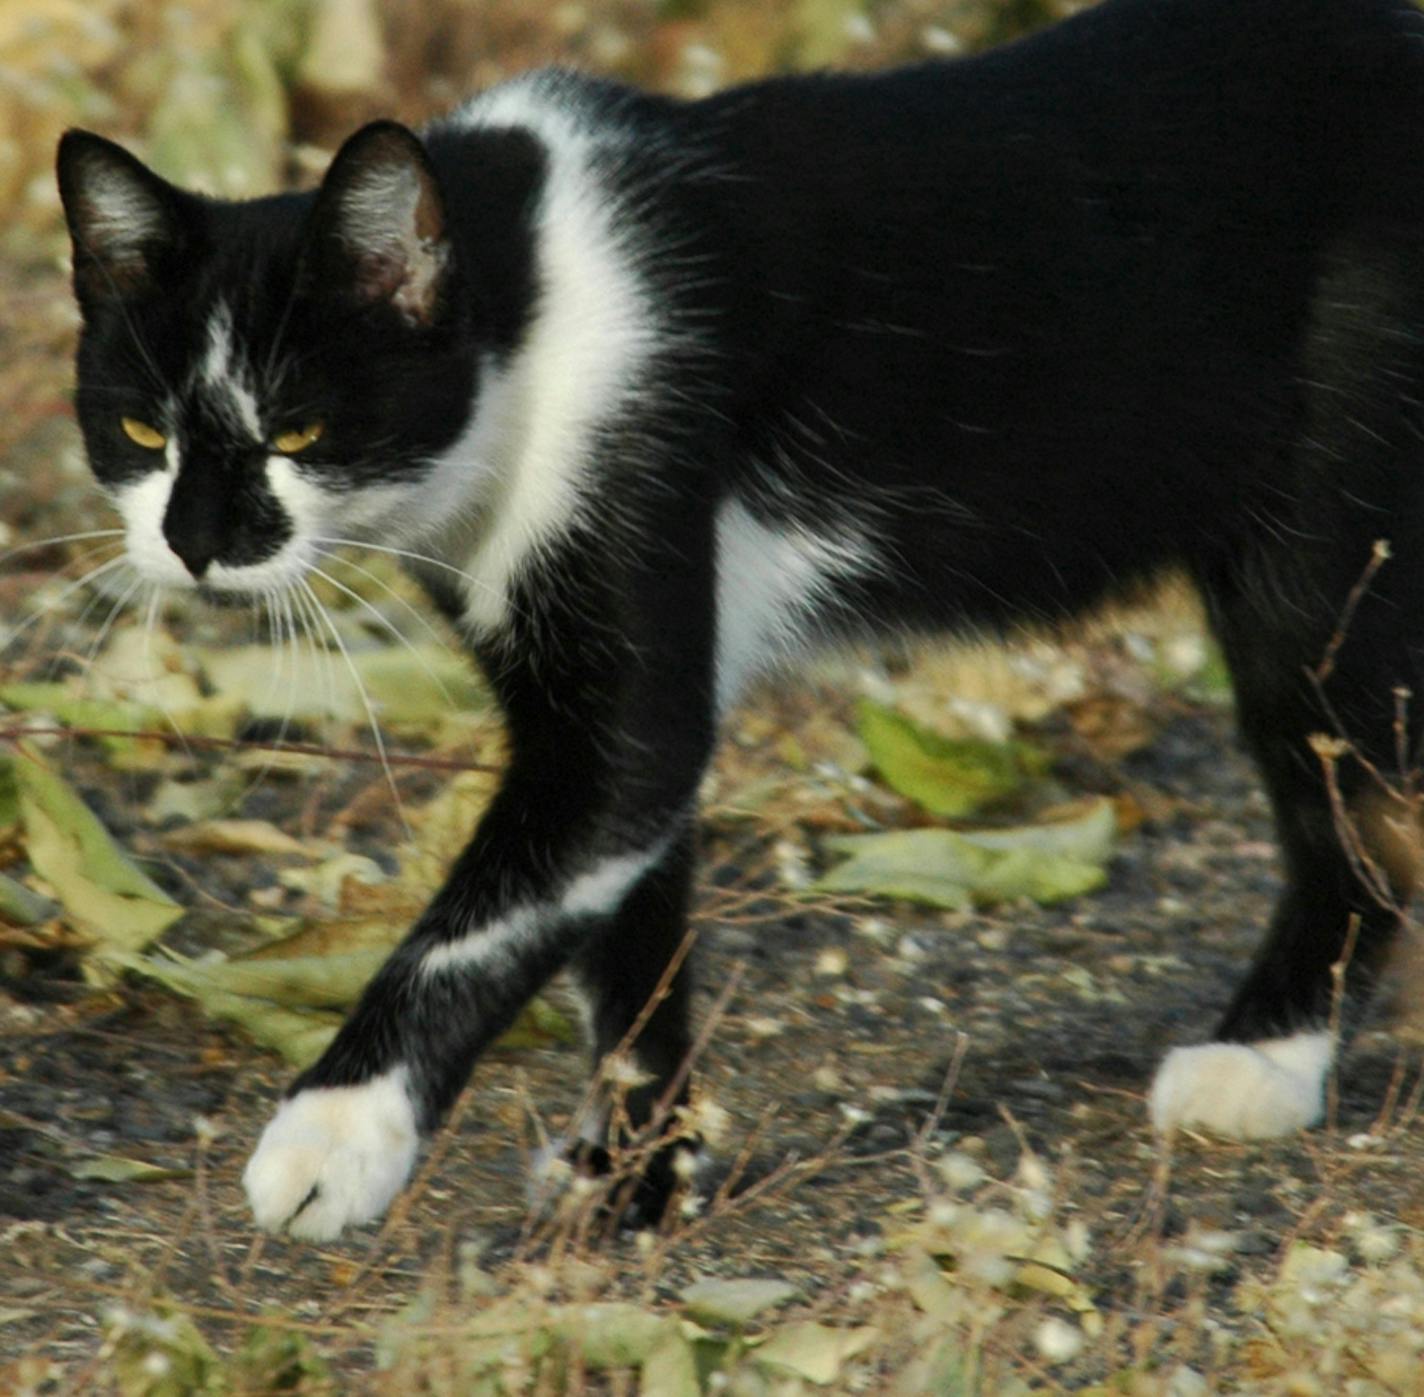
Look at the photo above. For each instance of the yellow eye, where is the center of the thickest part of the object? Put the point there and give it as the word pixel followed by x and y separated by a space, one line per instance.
pixel 289 443
pixel 141 434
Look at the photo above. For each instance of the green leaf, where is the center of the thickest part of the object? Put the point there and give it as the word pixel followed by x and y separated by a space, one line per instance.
pixel 303 982
pixel 160 1353
pixel 734 1302
pixel 420 685
pixel 274 1359
pixel 951 777
pixel 108 715
pixel 670 1369
pixel 813 1351
pixel 925 1283
pixel 300 1035
pixel 614 1334
pixel 22 907
pixel 114 1169
pixel 1047 862
pixel 292 1004
pixel 105 896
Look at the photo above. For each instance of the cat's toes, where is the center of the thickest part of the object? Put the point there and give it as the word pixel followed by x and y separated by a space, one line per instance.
pixel 639 1188
pixel 332 1157
pixel 1246 1091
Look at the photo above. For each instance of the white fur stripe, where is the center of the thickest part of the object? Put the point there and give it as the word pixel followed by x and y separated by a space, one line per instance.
pixel 771 582
pixel 598 891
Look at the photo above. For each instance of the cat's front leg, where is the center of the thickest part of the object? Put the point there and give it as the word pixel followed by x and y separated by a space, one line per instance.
pixel 584 854
pixel 342 1144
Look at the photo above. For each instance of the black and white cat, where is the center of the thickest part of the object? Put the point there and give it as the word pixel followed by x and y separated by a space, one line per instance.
pixel 666 392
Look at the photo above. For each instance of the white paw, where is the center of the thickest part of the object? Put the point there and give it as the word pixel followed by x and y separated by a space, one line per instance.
pixel 332 1157
pixel 1249 1091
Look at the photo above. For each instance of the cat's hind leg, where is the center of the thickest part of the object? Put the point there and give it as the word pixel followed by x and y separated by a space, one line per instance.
pixel 1349 864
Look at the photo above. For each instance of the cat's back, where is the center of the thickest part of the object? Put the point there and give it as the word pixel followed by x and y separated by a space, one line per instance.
pixel 1268 101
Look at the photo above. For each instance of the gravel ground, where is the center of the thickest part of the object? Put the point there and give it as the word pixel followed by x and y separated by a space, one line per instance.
pixel 1042 1025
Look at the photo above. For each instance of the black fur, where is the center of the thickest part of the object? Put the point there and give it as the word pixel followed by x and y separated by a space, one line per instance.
pixel 1143 292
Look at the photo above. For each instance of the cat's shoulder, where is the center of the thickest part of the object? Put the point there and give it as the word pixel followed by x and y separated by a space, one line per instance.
pixel 564 109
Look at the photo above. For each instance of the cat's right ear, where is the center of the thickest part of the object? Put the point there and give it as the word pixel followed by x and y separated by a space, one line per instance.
pixel 379 232
pixel 123 219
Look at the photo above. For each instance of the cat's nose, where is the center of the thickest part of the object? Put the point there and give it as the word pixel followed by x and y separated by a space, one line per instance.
pixel 196 549
pixel 195 523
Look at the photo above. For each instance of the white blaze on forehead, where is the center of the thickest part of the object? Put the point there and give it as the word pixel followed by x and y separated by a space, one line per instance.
pixel 222 375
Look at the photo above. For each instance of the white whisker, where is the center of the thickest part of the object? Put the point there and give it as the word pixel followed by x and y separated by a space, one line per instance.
pixel 56 540
pixel 91 658
pixel 424 558
pixel 365 697
pixel 421 620
pixel 390 626
pixel 54 603
pixel 150 621
pixel 279 647
pixel 301 613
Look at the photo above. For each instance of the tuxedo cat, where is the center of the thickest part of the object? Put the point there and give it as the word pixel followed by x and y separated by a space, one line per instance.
pixel 657 394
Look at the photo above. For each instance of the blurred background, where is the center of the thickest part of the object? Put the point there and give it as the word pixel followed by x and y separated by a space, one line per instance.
pixel 237 96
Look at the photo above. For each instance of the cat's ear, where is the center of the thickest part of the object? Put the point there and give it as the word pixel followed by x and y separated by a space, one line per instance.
pixel 123 219
pixel 379 224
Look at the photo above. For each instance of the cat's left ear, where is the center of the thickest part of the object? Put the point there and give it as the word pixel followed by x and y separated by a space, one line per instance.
pixel 125 222
pixel 379 224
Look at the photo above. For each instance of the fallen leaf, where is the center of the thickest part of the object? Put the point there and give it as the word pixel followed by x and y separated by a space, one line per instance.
pixel 114 1169
pixel 327 880
pixel 421 685
pixel 305 982
pixel 293 1004
pixel 1047 862
pixel 192 801
pixel 614 1334
pixel 670 1369
pixel 813 1351
pixel 949 776
pixel 324 936
pixel 235 837
pixel 735 1302
pixel 74 711
pixel 299 1035
pixel 21 906
pixel 104 894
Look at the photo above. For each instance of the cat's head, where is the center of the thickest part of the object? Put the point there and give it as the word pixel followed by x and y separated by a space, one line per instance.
pixel 257 379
